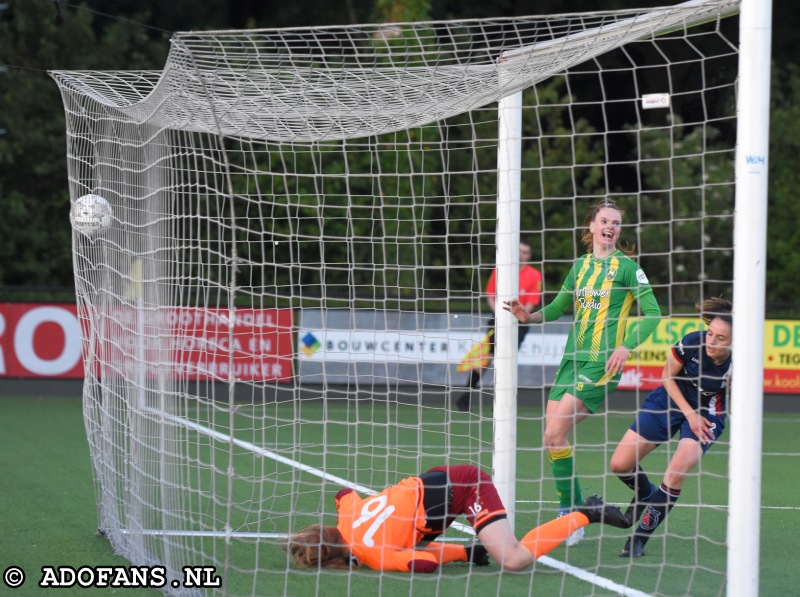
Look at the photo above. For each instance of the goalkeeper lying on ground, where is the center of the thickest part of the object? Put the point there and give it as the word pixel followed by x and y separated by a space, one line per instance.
pixel 393 530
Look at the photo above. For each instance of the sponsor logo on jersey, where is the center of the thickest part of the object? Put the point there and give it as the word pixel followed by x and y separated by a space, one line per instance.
pixel 588 297
pixel 641 277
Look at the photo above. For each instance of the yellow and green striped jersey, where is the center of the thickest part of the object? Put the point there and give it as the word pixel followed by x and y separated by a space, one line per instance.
pixel 602 292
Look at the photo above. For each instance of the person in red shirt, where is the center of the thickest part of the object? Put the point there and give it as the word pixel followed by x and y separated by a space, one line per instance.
pixel 530 296
pixel 394 530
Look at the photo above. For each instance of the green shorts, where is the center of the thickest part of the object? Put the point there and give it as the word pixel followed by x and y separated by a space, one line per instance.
pixel 586 380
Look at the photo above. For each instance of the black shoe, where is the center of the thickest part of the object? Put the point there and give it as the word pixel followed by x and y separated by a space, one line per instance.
pixel 637 551
pixel 463 402
pixel 638 506
pixel 634 512
pixel 597 511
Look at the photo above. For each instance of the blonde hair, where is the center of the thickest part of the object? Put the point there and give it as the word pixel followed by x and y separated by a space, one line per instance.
pixel 592 214
pixel 715 308
pixel 318 546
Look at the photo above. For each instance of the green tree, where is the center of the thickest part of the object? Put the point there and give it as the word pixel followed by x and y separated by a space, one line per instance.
pixel 33 177
pixel 783 238
pixel 687 199
pixel 562 157
pixel 401 11
pixel 34 187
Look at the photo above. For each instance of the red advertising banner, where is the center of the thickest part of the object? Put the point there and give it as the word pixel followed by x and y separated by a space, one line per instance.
pixel 40 340
pixel 253 345
pixel 641 377
pixel 44 340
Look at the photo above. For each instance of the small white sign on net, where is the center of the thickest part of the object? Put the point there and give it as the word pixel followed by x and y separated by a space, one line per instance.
pixel 651 101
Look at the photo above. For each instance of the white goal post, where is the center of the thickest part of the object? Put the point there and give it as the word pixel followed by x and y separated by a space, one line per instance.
pixel 281 243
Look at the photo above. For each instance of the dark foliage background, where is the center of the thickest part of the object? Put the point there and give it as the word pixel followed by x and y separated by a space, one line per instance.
pixel 40 35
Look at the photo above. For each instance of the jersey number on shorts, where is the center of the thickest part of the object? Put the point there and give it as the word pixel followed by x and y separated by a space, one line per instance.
pixel 374 508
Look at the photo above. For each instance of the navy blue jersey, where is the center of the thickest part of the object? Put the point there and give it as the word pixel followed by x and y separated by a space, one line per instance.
pixel 701 380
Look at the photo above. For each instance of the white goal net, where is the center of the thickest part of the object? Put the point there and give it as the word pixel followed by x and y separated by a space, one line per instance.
pixel 281 246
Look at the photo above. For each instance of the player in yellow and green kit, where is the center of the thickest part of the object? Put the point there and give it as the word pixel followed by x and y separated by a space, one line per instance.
pixel 601 287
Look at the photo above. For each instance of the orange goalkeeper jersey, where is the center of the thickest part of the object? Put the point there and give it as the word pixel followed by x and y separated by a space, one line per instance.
pixel 383 530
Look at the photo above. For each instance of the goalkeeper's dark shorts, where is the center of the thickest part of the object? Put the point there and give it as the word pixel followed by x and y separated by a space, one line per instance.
pixel 462 489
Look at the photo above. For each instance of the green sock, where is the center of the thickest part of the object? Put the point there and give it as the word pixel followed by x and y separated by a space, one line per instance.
pixel 568 487
pixel 577 492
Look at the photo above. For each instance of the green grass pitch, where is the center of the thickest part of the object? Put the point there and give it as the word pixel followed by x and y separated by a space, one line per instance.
pixel 50 517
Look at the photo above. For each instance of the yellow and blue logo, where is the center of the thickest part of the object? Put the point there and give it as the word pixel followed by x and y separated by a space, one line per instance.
pixel 309 344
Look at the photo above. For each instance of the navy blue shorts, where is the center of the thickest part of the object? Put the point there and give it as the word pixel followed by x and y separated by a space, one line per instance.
pixel 659 419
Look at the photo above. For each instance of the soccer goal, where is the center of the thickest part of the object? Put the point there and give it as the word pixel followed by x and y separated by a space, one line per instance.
pixel 281 244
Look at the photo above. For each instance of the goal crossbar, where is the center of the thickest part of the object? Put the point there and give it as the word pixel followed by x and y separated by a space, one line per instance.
pixel 252 96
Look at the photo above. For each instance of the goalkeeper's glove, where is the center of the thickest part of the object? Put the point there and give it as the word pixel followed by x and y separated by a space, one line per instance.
pixel 477 554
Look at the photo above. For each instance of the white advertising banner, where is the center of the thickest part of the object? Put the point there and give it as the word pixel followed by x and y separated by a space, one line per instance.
pixel 363 347
pixel 370 346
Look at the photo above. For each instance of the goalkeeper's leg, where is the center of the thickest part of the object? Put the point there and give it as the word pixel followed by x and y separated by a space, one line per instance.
pixel 546 537
pixel 499 540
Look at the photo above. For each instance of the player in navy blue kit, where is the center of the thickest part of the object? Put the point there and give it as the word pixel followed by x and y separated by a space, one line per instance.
pixel 693 401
